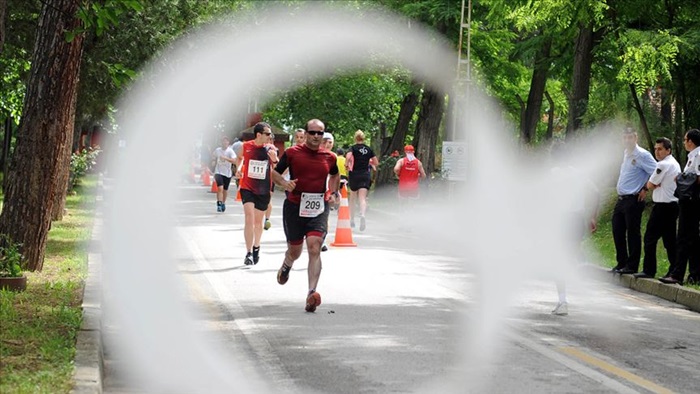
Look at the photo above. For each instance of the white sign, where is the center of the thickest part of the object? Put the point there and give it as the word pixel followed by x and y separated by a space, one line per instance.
pixel 454 160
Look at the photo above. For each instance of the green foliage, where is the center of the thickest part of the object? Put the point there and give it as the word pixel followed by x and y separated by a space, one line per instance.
pixel 387 163
pixel 347 102
pixel 99 16
pixel 647 57
pixel 14 67
pixel 81 163
pixel 11 258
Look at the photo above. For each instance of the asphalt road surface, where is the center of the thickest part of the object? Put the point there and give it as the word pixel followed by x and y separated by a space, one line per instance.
pixel 399 316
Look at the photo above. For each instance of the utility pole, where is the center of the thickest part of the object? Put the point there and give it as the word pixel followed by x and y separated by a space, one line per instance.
pixel 464 72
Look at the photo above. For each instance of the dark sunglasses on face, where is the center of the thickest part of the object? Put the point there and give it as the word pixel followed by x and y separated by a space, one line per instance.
pixel 313 132
pixel 267 133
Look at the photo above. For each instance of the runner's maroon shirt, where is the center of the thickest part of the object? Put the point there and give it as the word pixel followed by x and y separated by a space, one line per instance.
pixel 256 157
pixel 309 167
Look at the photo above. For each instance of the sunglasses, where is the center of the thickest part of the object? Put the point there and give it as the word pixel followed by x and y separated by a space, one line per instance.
pixel 267 133
pixel 313 132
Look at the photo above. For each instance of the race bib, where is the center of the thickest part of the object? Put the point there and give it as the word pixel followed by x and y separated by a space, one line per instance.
pixel 311 205
pixel 257 169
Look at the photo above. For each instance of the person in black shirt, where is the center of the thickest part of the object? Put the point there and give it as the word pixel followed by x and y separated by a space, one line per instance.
pixel 360 160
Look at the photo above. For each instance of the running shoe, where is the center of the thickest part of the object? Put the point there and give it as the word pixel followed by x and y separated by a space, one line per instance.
pixel 363 225
pixel 324 248
pixel 312 301
pixel 223 207
pixel 248 259
pixel 562 309
pixel 267 224
pixel 256 254
pixel 218 206
pixel 283 274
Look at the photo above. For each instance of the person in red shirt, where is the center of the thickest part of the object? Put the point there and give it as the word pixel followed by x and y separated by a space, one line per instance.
pixel 306 208
pixel 254 172
pixel 409 170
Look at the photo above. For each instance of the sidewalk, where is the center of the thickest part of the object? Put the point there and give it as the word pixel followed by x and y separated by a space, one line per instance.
pixel 89 373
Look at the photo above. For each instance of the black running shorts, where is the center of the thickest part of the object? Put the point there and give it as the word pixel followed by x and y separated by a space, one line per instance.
pixel 260 201
pixel 296 227
pixel 222 181
pixel 360 181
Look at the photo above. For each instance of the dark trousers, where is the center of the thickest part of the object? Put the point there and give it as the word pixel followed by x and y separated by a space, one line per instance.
pixel 627 231
pixel 661 224
pixel 688 241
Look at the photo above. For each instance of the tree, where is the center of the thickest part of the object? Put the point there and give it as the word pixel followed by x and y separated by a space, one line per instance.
pixel 3 12
pixel 369 99
pixel 45 130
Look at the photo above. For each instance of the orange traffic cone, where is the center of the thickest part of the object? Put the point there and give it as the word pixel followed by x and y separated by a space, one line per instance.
pixel 214 188
pixel 238 195
pixel 206 178
pixel 343 232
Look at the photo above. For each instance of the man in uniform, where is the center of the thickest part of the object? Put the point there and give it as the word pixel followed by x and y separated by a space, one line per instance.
pixel 635 170
pixel 688 220
pixel 256 183
pixel 662 221
pixel 306 208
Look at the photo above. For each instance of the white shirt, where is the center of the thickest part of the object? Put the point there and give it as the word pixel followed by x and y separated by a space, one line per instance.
pixel 223 167
pixel 693 164
pixel 664 177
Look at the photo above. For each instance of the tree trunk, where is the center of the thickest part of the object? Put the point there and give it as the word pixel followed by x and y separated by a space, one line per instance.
pixel 666 109
pixel 523 138
pixel 408 108
pixel 581 80
pixel 537 86
pixel 642 118
pixel 396 141
pixel 6 145
pixel 681 115
pixel 428 127
pixel 59 201
pixel 3 13
pixel 45 130
pixel 550 117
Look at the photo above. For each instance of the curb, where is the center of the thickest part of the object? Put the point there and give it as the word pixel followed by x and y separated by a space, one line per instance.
pixel 687 297
pixel 88 366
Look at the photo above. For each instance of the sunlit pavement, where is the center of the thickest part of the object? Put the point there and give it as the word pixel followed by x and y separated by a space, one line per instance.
pixel 396 313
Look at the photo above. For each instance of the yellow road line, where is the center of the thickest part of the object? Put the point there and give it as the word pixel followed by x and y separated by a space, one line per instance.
pixel 638 380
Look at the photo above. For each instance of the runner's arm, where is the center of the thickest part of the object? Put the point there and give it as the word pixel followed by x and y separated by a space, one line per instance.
pixel 397 167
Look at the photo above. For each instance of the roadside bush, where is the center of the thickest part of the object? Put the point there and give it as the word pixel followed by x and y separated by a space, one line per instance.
pixel 81 163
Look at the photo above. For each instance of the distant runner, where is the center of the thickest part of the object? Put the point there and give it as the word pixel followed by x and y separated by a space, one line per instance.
pixel 256 183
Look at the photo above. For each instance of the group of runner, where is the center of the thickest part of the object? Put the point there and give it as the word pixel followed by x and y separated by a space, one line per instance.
pixel 310 173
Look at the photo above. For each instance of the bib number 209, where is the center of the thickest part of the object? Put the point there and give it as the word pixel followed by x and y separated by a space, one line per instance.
pixel 311 205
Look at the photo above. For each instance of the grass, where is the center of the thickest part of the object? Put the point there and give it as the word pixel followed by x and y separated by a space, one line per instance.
pixel 602 241
pixel 38 326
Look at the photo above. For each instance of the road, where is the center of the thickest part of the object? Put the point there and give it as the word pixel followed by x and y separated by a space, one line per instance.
pixel 399 316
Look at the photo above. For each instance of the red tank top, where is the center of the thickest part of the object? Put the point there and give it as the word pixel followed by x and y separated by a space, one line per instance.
pixel 256 168
pixel 409 175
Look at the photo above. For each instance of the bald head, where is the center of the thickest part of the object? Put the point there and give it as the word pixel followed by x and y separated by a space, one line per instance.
pixel 314 133
pixel 315 124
